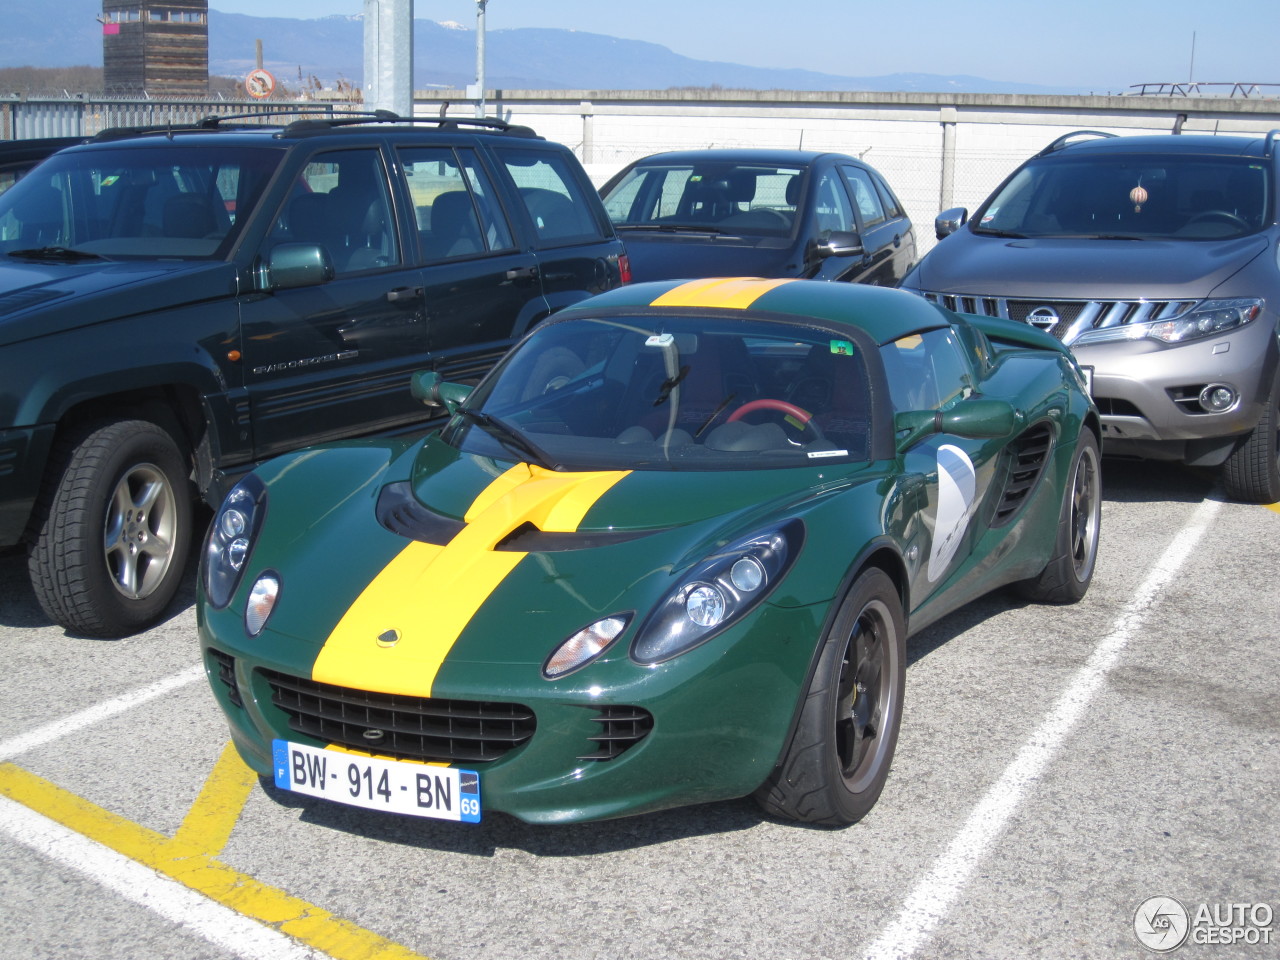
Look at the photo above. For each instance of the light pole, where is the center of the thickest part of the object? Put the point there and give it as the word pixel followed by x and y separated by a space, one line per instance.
pixel 480 5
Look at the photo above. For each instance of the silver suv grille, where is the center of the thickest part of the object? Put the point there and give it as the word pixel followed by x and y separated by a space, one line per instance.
pixel 1065 319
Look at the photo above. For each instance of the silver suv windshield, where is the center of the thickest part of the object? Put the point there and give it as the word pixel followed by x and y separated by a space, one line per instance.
pixel 1147 197
pixel 164 201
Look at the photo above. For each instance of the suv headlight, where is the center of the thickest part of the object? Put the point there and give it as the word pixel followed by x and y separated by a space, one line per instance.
pixel 230 540
pixel 717 592
pixel 1205 319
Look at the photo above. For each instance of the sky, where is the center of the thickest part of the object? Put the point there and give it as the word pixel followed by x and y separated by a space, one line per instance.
pixel 1096 45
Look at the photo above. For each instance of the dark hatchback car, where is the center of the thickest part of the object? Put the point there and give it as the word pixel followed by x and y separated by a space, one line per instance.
pixel 1155 259
pixel 178 305
pixel 761 213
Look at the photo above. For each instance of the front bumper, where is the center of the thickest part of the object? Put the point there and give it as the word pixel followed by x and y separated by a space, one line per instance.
pixel 1148 392
pixel 719 717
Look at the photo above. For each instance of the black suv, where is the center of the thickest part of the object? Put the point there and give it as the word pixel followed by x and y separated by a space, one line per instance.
pixel 178 305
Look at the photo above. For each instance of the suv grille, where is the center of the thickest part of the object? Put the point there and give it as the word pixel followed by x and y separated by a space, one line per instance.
pixel 1065 319
pixel 415 728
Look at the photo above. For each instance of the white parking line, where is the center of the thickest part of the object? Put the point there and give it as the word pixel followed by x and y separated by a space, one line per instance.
pixel 191 911
pixel 101 711
pixel 933 896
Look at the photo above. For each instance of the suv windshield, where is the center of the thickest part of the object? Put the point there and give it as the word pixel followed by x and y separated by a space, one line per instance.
pixel 672 393
pixel 723 197
pixel 1134 197
pixel 169 202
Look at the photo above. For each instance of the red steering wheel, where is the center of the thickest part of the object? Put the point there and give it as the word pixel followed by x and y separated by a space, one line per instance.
pixel 767 404
pixel 782 406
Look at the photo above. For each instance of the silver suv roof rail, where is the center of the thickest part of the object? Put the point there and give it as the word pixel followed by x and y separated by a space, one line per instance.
pixel 1066 138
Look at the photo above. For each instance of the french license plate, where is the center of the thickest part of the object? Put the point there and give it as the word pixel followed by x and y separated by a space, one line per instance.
pixel 441 793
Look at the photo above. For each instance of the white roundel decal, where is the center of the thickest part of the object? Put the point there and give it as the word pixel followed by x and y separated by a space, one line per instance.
pixel 957 484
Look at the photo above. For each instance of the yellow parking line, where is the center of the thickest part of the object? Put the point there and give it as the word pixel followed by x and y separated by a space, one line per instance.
pixel 182 858
pixel 1274 506
pixel 208 824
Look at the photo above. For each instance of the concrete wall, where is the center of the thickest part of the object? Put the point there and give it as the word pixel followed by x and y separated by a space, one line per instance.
pixel 936 150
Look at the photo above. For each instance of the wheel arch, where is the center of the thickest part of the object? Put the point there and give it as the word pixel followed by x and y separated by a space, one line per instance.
pixel 880 554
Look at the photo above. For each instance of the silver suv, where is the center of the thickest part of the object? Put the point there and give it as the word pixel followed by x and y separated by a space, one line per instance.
pixel 1155 258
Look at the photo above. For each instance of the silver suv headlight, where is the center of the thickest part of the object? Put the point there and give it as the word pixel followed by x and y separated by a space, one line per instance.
pixel 1205 319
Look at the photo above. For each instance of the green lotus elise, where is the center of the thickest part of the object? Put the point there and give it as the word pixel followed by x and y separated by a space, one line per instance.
pixel 668 551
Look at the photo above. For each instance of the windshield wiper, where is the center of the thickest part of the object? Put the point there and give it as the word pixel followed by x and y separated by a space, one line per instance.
pixel 509 436
pixel 669 227
pixel 53 253
pixel 1008 234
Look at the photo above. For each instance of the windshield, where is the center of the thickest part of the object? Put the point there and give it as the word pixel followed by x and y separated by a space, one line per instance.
pixel 168 202
pixel 741 198
pixel 672 393
pixel 1139 197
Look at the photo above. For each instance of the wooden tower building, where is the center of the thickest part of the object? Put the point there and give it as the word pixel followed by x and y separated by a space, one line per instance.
pixel 155 46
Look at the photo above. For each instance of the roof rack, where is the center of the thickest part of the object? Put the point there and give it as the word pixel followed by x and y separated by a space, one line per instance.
pixel 388 116
pixel 1066 138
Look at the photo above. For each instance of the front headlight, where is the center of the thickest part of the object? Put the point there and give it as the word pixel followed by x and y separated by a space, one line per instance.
pixel 717 592
pixel 1205 319
pixel 230 539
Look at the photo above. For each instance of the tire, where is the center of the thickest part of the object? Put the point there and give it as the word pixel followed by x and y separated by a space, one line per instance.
pixel 1251 473
pixel 839 757
pixel 110 537
pixel 1066 577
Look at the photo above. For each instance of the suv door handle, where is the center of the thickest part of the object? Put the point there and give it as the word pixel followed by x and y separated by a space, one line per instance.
pixel 405 293
pixel 522 273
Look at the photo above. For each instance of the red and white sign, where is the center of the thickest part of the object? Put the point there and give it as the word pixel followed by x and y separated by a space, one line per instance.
pixel 259 83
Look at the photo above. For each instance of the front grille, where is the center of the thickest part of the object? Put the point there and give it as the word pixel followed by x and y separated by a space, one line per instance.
pixel 620 729
pixel 1030 452
pixel 412 728
pixel 1065 319
pixel 226 667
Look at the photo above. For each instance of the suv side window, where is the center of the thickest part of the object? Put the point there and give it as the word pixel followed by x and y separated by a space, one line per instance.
pixel 454 203
pixel 340 202
pixel 864 194
pixel 551 195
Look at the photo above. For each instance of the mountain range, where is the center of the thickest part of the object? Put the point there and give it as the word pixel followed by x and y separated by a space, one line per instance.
pixel 332 49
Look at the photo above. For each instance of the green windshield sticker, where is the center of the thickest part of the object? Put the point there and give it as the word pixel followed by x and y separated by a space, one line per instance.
pixel 842 348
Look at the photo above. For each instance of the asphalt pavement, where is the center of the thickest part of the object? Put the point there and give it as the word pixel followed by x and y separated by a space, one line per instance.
pixel 1087 781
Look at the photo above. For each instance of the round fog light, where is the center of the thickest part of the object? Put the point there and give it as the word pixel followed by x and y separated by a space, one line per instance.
pixel 1217 397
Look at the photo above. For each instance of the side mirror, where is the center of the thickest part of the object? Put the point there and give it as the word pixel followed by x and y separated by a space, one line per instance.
pixel 838 243
pixel 292 265
pixel 426 385
pixel 949 221
pixel 976 418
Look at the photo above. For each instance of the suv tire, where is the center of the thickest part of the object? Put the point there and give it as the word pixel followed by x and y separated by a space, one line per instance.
pixel 1252 472
pixel 111 533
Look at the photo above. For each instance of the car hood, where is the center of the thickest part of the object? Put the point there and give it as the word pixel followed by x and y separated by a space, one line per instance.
pixel 676 256
pixel 968 264
pixel 38 298
pixel 471 559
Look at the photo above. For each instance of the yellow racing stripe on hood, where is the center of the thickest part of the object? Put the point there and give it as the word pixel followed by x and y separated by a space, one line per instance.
pixel 429 593
pixel 737 293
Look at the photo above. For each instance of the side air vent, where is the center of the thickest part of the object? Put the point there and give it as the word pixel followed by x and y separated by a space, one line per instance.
pixel 1030 453
pixel 621 728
